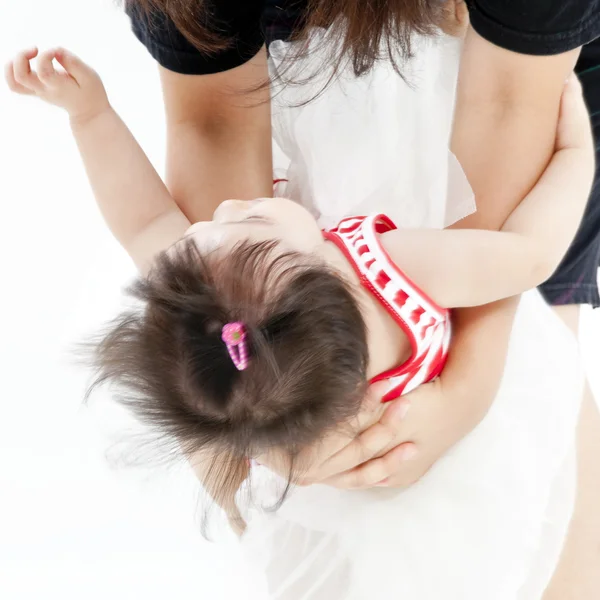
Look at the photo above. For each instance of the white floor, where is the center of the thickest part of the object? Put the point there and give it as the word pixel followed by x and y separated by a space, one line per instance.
pixel 70 526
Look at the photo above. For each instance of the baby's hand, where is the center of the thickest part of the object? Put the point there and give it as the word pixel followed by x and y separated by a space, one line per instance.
pixel 78 89
pixel 574 128
pixel 455 18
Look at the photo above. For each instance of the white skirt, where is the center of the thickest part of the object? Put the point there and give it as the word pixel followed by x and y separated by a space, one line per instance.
pixel 488 521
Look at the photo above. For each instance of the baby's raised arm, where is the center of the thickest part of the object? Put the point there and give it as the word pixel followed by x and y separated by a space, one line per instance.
pixel 133 200
pixel 463 267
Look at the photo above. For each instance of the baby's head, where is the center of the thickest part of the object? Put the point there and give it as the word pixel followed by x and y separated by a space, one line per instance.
pixel 258 263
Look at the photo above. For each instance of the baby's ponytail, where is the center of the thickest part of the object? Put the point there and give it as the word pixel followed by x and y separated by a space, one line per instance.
pixel 305 341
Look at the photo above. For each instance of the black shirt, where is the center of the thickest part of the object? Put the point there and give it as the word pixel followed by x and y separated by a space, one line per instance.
pixel 540 27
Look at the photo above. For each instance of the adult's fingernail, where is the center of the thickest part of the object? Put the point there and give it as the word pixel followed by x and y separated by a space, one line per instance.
pixel 399 409
pixel 408 452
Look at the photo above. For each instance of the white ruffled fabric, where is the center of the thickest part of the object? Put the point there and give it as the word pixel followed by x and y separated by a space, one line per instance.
pixel 489 519
pixel 373 138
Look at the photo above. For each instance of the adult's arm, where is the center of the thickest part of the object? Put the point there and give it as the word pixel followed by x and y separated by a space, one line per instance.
pixel 504 131
pixel 217 107
pixel 471 267
pixel 218 137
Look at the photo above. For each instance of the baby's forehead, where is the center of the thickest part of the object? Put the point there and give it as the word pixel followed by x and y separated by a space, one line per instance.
pixel 271 254
pixel 194 242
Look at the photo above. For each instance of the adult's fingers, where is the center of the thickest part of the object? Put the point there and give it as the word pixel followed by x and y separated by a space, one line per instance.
pixel 376 434
pixel 372 408
pixel 366 446
pixel 378 470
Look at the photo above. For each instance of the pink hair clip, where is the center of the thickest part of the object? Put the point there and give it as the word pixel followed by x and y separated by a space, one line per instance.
pixel 234 336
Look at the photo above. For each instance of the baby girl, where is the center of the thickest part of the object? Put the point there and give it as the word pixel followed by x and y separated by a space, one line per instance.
pixel 258 333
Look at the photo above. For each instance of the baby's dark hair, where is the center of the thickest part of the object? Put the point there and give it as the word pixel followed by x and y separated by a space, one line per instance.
pixel 307 350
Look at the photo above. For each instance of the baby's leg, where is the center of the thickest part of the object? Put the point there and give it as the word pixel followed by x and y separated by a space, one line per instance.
pixel 578 574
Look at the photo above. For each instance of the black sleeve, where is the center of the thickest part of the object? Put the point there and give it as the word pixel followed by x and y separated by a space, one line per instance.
pixel 240 21
pixel 540 27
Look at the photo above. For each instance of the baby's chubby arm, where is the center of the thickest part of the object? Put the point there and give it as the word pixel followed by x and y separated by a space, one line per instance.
pixel 462 267
pixel 133 200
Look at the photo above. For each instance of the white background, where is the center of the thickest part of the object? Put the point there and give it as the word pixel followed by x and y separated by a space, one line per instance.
pixel 70 525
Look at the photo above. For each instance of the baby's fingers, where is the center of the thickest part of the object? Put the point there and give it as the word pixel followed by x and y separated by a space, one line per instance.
pixel 572 109
pixel 20 65
pixel 9 76
pixel 22 73
pixel 45 69
pixel 73 65
pixel 574 129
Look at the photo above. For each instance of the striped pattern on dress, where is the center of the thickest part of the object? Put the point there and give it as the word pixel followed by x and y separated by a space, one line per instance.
pixel 426 324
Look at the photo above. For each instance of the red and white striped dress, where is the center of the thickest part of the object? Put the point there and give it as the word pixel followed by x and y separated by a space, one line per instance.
pixel 426 324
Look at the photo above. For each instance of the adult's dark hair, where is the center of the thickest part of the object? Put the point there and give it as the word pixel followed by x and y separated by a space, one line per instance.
pixel 169 365
pixel 363 30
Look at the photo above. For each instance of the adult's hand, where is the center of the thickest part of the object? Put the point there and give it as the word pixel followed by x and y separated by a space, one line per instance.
pixel 411 434
pixel 398 442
